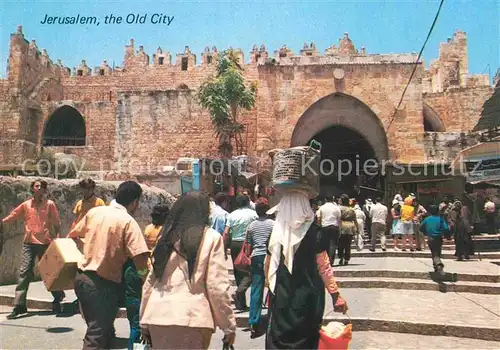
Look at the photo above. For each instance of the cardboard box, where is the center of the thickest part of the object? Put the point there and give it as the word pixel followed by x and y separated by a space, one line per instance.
pixel 58 266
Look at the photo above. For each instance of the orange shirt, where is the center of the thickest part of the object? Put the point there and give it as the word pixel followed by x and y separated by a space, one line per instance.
pixel 39 220
pixel 151 235
pixel 111 237
pixel 84 205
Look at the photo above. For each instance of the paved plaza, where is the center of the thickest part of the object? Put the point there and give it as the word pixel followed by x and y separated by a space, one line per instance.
pixel 394 303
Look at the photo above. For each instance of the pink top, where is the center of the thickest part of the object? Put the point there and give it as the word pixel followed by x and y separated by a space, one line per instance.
pixel 202 302
pixel 39 219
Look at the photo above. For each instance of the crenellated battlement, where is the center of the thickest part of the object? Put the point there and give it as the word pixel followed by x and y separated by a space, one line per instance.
pixel 35 59
pixel 449 70
pixel 146 110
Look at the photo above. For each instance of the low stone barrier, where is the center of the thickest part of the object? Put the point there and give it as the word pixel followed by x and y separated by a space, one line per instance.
pixel 65 194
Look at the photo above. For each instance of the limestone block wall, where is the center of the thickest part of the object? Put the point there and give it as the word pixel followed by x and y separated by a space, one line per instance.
pixel 443 147
pixel 65 194
pixel 459 108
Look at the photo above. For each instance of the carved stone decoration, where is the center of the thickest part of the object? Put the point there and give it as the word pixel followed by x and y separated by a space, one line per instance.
pixel 308 50
pixel 283 52
pixel 331 51
pixel 346 46
pixel 338 73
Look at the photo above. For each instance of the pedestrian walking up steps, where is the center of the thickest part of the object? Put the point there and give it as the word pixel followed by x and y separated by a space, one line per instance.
pixel 396 295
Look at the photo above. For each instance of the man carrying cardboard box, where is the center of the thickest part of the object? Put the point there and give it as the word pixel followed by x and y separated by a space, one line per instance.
pixel 111 237
pixel 41 226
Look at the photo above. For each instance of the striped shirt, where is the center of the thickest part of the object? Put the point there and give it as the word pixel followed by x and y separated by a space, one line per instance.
pixel 258 235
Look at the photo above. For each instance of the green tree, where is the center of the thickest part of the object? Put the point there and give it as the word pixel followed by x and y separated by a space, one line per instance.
pixel 224 96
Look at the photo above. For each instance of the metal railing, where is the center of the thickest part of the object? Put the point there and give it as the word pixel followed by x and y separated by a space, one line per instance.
pixel 63 141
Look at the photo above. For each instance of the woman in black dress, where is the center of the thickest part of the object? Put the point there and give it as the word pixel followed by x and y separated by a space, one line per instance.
pixel 298 297
pixel 464 247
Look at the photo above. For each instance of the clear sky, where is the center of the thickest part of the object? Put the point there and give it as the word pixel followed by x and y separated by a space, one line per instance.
pixel 397 26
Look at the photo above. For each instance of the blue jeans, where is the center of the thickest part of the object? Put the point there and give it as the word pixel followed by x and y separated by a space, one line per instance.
pixel 133 306
pixel 257 293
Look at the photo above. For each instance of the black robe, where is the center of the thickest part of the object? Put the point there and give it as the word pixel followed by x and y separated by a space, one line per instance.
pixel 297 306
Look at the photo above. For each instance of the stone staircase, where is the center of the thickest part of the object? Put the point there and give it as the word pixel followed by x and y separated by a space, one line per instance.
pixel 391 299
pixel 485 246
pixel 403 295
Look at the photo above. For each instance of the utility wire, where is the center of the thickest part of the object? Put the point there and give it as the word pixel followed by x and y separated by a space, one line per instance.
pixel 416 65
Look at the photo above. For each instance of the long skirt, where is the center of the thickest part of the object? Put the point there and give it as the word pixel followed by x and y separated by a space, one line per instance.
pixel 180 337
pixel 464 246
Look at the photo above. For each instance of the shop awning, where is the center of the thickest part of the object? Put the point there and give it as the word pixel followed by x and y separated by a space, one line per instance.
pixel 479 163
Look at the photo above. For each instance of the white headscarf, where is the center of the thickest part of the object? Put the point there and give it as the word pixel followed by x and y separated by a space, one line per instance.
pixel 294 218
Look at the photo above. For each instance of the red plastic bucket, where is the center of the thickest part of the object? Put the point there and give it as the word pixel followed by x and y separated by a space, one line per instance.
pixel 341 343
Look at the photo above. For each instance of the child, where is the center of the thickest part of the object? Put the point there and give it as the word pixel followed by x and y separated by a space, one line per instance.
pixel 434 227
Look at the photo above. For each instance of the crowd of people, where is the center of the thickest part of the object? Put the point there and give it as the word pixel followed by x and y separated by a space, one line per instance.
pixel 407 221
pixel 173 277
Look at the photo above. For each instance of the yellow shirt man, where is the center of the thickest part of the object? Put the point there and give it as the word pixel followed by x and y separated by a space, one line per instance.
pixel 84 205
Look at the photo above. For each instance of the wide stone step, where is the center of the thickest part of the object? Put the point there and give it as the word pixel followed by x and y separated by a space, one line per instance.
pixel 418 268
pixel 415 275
pixel 462 315
pixel 447 283
pixel 415 268
pixel 391 246
pixel 374 340
pixel 424 312
pixel 446 254
pixel 443 286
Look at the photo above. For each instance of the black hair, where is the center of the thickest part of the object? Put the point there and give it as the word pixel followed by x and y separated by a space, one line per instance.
pixel 159 214
pixel 242 202
pixel 434 209
pixel 43 184
pixel 128 192
pixel 378 200
pixel 185 224
pixel 87 183
pixel 261 209
pixel 220 198
pixel 344 200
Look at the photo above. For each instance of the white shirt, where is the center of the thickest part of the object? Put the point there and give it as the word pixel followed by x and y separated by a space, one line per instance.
pixel 378 213
pixel 360 218
pixel 238 222
pixel 329 214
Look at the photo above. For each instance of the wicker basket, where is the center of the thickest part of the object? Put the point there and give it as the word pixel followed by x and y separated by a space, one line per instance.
pixel 297 168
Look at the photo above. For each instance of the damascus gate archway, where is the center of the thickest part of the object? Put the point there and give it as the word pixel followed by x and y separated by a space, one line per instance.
pixel 353 144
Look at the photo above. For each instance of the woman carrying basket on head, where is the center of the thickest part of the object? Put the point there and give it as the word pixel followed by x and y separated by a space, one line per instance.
pixel 298 271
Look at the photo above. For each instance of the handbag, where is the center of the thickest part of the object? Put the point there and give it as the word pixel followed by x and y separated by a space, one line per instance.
pixel 243 261
pixel 446 233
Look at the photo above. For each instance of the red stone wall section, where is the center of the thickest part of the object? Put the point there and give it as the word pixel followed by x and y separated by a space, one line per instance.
pixel 459 109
